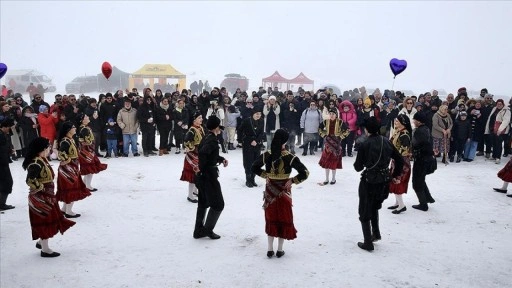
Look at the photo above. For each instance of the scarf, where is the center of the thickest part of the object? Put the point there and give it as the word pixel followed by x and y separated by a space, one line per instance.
pixel 165 107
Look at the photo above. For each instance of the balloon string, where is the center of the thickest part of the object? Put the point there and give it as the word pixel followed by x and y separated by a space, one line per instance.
pixel 393 85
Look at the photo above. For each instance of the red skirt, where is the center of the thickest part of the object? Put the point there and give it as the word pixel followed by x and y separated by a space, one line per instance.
pixel 89 162
pixel 278 210
pixel 46 219
pixel 190 167
pixel 401 188
pixel 331 154
pixel 70 187
pixel 505 173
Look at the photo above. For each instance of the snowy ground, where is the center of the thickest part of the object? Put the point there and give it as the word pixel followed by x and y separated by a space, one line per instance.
pixel 136 231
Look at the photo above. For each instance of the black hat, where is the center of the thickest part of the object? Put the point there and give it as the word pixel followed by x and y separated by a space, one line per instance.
pixel 420 117
pixel 7 122
pixel 79 118
pixel 196 114
pixel 38 144
pixel 256 110
pixel 213 122
pixel 332 110
pixel 372 125
pixel 404 120
pixel 126 99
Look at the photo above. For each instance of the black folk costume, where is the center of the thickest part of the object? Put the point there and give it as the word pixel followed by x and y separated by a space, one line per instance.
pixel 373 156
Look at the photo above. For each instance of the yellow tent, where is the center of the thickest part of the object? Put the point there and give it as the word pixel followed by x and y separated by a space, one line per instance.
pixel 162 72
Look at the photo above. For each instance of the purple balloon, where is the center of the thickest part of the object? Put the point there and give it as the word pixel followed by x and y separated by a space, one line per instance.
pixel 397 66
pixel 3 70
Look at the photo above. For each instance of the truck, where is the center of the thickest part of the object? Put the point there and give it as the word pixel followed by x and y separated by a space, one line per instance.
pixel 234 81
pixel 19 80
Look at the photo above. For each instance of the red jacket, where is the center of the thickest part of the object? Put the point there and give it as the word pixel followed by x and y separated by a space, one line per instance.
pixel 47 123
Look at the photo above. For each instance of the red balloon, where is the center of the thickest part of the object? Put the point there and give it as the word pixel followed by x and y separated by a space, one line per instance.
pixel 106 69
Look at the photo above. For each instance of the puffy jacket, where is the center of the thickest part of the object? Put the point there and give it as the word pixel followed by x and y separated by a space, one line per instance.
pixel 349 117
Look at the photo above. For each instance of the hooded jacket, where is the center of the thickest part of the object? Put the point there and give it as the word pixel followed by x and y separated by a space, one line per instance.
pixel 349 117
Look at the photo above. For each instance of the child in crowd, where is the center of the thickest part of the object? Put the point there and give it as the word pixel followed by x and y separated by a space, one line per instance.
pixel 112 131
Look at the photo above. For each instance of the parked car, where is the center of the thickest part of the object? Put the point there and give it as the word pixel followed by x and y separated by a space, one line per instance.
pixel 19 80
pixel 83 84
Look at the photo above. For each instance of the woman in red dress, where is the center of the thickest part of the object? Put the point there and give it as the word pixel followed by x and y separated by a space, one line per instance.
pixel 46 219
pixel 333 130
pixel 70 187
pixel 191 164
pixel 401 139
pixel 277 197
pixel 505 174
pixel 89 162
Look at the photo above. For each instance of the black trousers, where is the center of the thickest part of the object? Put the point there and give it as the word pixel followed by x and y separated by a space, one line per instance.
pixel 250 154
pixel 418 181
pixel 348 143
pixel 148 139
pixel 209 190
pixel 371 197
pixel 164 136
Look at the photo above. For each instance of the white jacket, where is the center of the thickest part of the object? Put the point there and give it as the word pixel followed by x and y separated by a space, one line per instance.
pixel 504 117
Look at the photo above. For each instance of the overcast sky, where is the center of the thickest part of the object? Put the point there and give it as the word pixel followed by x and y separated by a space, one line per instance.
pixel 446 45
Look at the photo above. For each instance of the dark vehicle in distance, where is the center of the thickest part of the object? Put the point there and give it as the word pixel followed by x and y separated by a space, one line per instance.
pixel 83 84
pixel 234 81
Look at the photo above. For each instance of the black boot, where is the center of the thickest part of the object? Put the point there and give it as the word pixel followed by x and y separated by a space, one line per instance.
pixel 199 227
pixel 231 146
pixel 253 182
pixel 248 181
pixel 375 228
pixel 367 233
pixel 211 221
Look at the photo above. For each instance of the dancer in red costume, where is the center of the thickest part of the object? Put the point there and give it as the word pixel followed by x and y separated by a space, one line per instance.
pixel 333 130
pixel 46 219
pixel 191 164
pixel 70 187
pixel 89 162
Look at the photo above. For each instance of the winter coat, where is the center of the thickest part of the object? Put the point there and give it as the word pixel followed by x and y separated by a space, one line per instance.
pixel 291 120
pixel 462 129
pixel 410 114
pixel 29 133
pixel 477 124
pixel 438 124
pixel 271 122
pixel 161 120
pixel 47 123
pixel 502 116
pixel 422 142
pixel 310 120
pixel 180 118
pixel 349 117
pixel 127 121
pixel 95 123
pixel 231 119
pixel 250 130
pixel 144 114
pixel 108 110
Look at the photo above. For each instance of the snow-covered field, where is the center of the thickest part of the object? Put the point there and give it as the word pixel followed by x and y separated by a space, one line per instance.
pixel 136 231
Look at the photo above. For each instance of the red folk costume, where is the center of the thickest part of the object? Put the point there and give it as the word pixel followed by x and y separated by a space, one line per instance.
pixel 402 142
pixel 505 173
pixel 333 131
pixel 70 186
pixel 89 162
pixel 277 198
pixel 46 219
pixel 191 163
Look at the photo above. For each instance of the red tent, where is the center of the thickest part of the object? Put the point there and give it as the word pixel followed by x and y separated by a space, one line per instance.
pixel 301 79
pixel 274 80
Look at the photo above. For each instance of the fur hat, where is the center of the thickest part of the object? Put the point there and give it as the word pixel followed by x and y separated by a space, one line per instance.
pixel 196 114
pixel 264 96
pixel 213 122
pixel 372 125
pixel 38 144
pixel 272 97
pixel 7 122
pixel 42 108
pixel 420 117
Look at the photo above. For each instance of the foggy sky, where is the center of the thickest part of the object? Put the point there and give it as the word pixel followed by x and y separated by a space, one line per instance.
pixel 447 45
